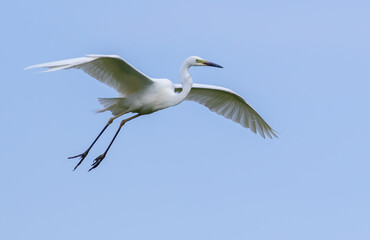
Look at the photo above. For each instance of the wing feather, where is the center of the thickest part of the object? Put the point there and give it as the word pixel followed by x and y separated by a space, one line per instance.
pixel 109 69
pixel 230 105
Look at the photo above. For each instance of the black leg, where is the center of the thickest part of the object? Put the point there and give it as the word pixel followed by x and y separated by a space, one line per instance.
pixel 83 155
pixel 99 159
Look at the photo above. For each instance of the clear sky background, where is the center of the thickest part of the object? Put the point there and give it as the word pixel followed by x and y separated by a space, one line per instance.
pixel 185 172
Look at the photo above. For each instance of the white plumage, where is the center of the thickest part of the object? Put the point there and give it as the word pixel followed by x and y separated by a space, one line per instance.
pixel 141 94
pixel 227 103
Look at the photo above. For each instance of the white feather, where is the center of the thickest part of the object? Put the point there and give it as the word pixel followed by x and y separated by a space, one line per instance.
pixel 109 69
pixel 230 105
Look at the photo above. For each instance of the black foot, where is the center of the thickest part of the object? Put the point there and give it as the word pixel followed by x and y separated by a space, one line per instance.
pixel 82 156
pixel 97 161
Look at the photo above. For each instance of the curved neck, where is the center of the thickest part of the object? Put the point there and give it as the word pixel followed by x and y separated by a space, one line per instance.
pixel 186 82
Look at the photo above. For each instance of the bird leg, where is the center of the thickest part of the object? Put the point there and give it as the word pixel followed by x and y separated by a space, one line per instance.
pixel 83 155
pixel 99 159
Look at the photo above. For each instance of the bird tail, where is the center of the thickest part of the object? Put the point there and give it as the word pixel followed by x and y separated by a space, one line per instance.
pixel 115 105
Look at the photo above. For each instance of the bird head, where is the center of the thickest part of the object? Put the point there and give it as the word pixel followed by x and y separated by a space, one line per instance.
pixel 197 61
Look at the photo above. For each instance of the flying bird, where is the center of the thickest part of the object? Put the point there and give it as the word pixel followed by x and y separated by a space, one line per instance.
pixel 142 95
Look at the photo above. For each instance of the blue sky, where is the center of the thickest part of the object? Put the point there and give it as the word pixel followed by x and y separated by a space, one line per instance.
pixel 185 172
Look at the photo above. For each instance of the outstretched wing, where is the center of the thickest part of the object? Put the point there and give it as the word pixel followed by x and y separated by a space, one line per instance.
pixel 229 104
pixel 109 69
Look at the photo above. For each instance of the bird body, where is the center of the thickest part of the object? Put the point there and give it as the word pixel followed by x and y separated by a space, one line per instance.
pixel 141 94
pixel 160 95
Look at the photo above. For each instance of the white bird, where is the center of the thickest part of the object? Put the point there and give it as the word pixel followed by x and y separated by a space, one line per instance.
pixel 141 94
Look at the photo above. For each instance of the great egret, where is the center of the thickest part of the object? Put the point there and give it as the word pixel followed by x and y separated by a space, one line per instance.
pixel 141 94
